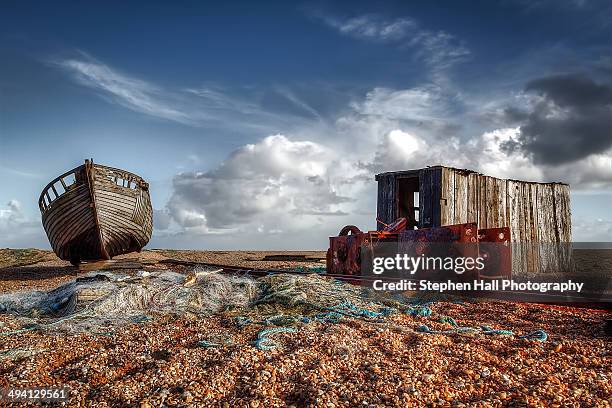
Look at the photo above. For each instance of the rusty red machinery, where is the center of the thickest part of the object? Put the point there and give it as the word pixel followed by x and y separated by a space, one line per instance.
pixel 494 246
pixel 346 251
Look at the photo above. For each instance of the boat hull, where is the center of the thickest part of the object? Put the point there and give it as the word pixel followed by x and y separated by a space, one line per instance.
pixel 96 212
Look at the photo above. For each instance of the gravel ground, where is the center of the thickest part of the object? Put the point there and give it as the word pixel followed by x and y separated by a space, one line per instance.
pixel 21 257
pixel 44 270
pixel 352 363
pixel 356 363
pixel 251 259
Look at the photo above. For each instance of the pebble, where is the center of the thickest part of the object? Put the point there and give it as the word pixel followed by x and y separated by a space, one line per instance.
pixel 155 363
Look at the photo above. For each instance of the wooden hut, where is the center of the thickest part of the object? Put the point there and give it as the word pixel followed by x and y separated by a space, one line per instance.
pixel 538 214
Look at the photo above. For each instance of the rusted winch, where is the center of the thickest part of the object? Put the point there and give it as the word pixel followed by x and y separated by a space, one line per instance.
pixel 344 255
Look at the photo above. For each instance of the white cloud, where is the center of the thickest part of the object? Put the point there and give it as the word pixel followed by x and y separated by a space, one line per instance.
pixel 594 172
pixel 301 104
pixel 16 229
pixel 193 106
pixel 127 91
pixel 417 104
pixel 591 230
pixel 428 110
pixel 532 5
pixel 400 150
pixel 372 27
pixel 216 99
pixel 11 216
pixel 275 185
pixel 438 49
pixel 283 188
pixel 318 176
pixel 491 160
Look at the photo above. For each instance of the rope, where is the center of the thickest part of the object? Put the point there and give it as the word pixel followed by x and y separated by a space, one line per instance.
pixel 423 311
pixel 424 329
pixel 242 321
pixel 538 335
pixel 348 308
pixel 348 303
pixel 311 269
pixel 207 344
pixel 263 342
pixel 449 320
pixel 388 311
pixel 329 317
pixel 10 333
pixel 489 331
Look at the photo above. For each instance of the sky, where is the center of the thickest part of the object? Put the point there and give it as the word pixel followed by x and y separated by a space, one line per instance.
pixel 261 125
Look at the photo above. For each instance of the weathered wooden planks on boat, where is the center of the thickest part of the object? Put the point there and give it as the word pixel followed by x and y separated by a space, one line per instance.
pixel 96 212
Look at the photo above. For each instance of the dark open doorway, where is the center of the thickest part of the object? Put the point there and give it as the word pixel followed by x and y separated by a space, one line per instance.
pixel 408 200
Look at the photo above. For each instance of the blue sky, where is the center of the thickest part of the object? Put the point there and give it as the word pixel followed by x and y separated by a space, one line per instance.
pixel 261 124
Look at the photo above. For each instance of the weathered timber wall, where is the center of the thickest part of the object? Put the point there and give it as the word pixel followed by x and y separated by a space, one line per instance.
pixel 537 213
pixel 430 197
pixel 386 204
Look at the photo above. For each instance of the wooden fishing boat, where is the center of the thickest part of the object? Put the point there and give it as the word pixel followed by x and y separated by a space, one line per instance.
pixel 96 212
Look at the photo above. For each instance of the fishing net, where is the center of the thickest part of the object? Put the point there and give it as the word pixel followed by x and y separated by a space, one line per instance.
pixel 100 299
pixel 109 299
pixel 280 303
pixel 313 293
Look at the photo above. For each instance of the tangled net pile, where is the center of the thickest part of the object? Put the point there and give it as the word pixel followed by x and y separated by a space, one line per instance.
pixel 279 303
pixel 108 299
pixel 313 293
pixel 103 299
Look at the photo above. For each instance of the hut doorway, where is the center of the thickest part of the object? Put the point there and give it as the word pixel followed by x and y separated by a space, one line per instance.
pixel 408 200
